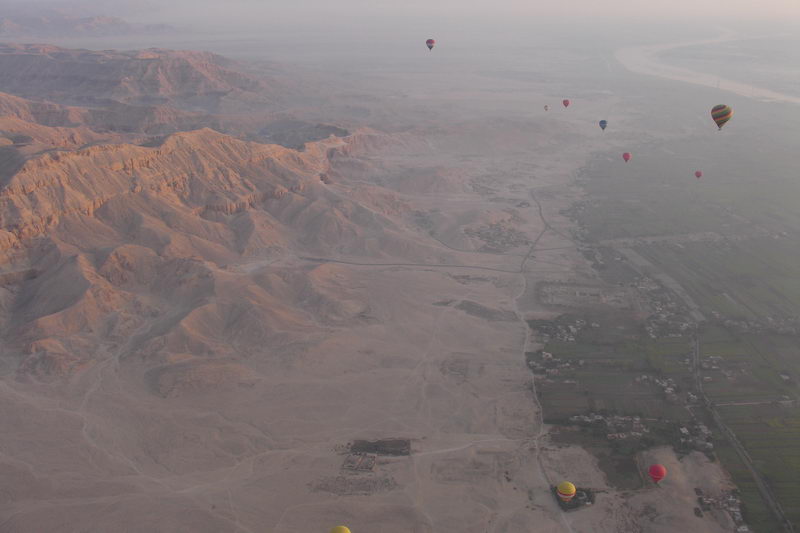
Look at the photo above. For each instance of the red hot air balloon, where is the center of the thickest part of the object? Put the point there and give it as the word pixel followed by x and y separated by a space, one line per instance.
pixel 698 174
pixel 565 102
pixel 430 43
pixel 627 156
pixel 657 472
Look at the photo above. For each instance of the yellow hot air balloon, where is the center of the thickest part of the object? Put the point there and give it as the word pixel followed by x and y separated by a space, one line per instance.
pixel 566 491
pixel 340 529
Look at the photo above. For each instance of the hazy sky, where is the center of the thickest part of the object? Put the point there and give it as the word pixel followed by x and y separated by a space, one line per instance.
pixel 311 12
pixel 311 9
pixel 672 8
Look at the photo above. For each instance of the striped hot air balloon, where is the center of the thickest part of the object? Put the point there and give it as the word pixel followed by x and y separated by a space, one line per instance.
pixel 566 491
pixel 721 114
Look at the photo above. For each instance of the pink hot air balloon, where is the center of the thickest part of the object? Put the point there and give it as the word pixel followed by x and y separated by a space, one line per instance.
pixel 565 102
pixel 627 156
pixel 430 43
pixel 698 174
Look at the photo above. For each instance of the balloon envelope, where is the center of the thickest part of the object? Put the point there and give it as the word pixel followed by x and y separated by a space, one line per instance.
pixel 430 43
pixel 721 114
pixel 627 156
pixel 603 124
pixel 547 108
pixel 340 529
pixel 698 174
pixel 657 472
pixel 566 490
pixel 565 102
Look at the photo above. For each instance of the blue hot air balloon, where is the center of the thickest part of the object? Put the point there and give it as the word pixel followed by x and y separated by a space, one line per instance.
pixel 603 124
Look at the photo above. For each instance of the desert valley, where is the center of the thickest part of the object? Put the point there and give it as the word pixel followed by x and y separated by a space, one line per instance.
pixel 244 297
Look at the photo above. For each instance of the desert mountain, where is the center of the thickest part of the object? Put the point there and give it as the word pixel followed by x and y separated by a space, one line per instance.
pixel 114 117
pixel 195 81
pixel 40 21
pixel 97 241
pixel 155 93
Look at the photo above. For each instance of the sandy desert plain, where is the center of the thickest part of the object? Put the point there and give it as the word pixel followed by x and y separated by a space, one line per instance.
pixel 198 349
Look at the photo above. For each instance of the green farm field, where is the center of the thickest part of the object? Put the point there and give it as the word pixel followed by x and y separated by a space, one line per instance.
pixel 607 378
pixel 752 279
pixel 750 365
pixel 757 514
pixel 770 434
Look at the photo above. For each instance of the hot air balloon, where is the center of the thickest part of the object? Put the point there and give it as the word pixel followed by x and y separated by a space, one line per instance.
pixel 657 472
pixel 721 114
pixel 547 108
pixel 340 529
pixel 430 43
pixel 698 174
pixel 627 156
pixel 566 491
pixel 565 102
pixel 603 124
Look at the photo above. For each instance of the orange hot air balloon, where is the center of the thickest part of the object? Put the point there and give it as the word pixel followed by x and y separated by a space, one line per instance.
pixel 565 102
pixel 698 174
pixel 657 472
pixel 627 156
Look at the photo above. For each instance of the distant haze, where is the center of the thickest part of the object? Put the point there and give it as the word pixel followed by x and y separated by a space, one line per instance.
pixel 272 13
pixel 457 8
